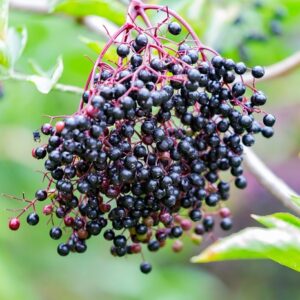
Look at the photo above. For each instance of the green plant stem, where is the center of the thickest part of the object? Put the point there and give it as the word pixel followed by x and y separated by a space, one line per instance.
pixel 59 86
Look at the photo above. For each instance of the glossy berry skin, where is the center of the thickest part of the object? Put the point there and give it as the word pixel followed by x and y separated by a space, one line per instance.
pixel 258 72
pixel 63 250
pixel 241 182
pixel 269 120
pixel 33 219
pixel 14 224
pixel 174 28
pixel 145 267
pixel 226 224
pixel 55 233
pixel 41 195
pixel 123 50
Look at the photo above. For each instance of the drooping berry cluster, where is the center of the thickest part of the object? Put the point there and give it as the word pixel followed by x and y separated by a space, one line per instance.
pixel 142 159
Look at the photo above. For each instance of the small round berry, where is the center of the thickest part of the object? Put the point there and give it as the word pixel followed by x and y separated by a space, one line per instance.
pixel 258 72
pixel 123 50
pixel 177 246
pixel 267 132
pixel 226 224
pixel 141 40
pixel 33 219
pixel 145 267
pixel 39 153
pixel 63 249
pixel 269 120
pixel 14 224
pixel 41 195
pixel 174 28
pixel 195 215
pixel 240 68
pixel 46 129
pixel 55 233
pixel 224 212
pixel 59 126
pixel 241 182
pixel 48 209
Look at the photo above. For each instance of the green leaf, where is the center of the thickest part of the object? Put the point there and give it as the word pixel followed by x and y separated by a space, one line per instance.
pixel 277 244
pixel 16 42
pixel 44 80
pixel 94 45
pixel 109 9
pixel 278 220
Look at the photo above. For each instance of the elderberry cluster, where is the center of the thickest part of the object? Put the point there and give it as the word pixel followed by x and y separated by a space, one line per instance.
pixel 142 160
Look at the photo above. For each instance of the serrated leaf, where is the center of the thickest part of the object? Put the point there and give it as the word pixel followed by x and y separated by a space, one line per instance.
pixel 277 244
pixel 109 9
pixel 16 42
pixel 94 45
pixel 278 220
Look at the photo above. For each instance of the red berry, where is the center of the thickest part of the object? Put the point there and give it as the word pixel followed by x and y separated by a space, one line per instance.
pixel 47 210
pixel 177 246
pixel 186 225
pixel 14 224
pixel 59 126
pixel 224 212
pixel 68 221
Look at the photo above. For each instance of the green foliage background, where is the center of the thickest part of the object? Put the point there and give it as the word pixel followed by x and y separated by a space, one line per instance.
pixel 29 266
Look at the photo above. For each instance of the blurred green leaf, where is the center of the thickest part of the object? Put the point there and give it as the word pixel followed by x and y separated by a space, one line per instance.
pixel 280 243
pixel 256 243
pixel 45 80
pixel 12 48
pixel 111 10
pixel 94 45
pixel 16 42
pixel 278 220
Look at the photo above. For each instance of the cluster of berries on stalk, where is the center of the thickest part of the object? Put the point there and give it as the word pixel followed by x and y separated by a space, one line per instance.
pixel 142 159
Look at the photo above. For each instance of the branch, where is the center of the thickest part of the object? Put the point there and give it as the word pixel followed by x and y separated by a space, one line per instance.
pixel 276 70
pixel 58 86
pixel 276 186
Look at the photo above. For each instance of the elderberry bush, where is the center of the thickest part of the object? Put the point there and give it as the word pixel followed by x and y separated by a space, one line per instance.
pixel 145 157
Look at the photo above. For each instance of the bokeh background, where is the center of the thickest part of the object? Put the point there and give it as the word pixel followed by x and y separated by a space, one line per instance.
pixel 259 32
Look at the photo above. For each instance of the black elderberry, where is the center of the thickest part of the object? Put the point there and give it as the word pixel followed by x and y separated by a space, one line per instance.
pixel 174 28
pixel 145 267
pixel 123 50
pixel 41 195
pixel 240 68
pixel 55 233
pixel 40 153
pixel 63 249
pixel 33 219
pixel 226 224
pixel 267 132
pixel 258 72
pixel 240 182
pixel 269 120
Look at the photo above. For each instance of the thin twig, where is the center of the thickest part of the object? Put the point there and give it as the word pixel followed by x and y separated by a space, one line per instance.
pixel 58 86
pixel 279 69
pixel 275 185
